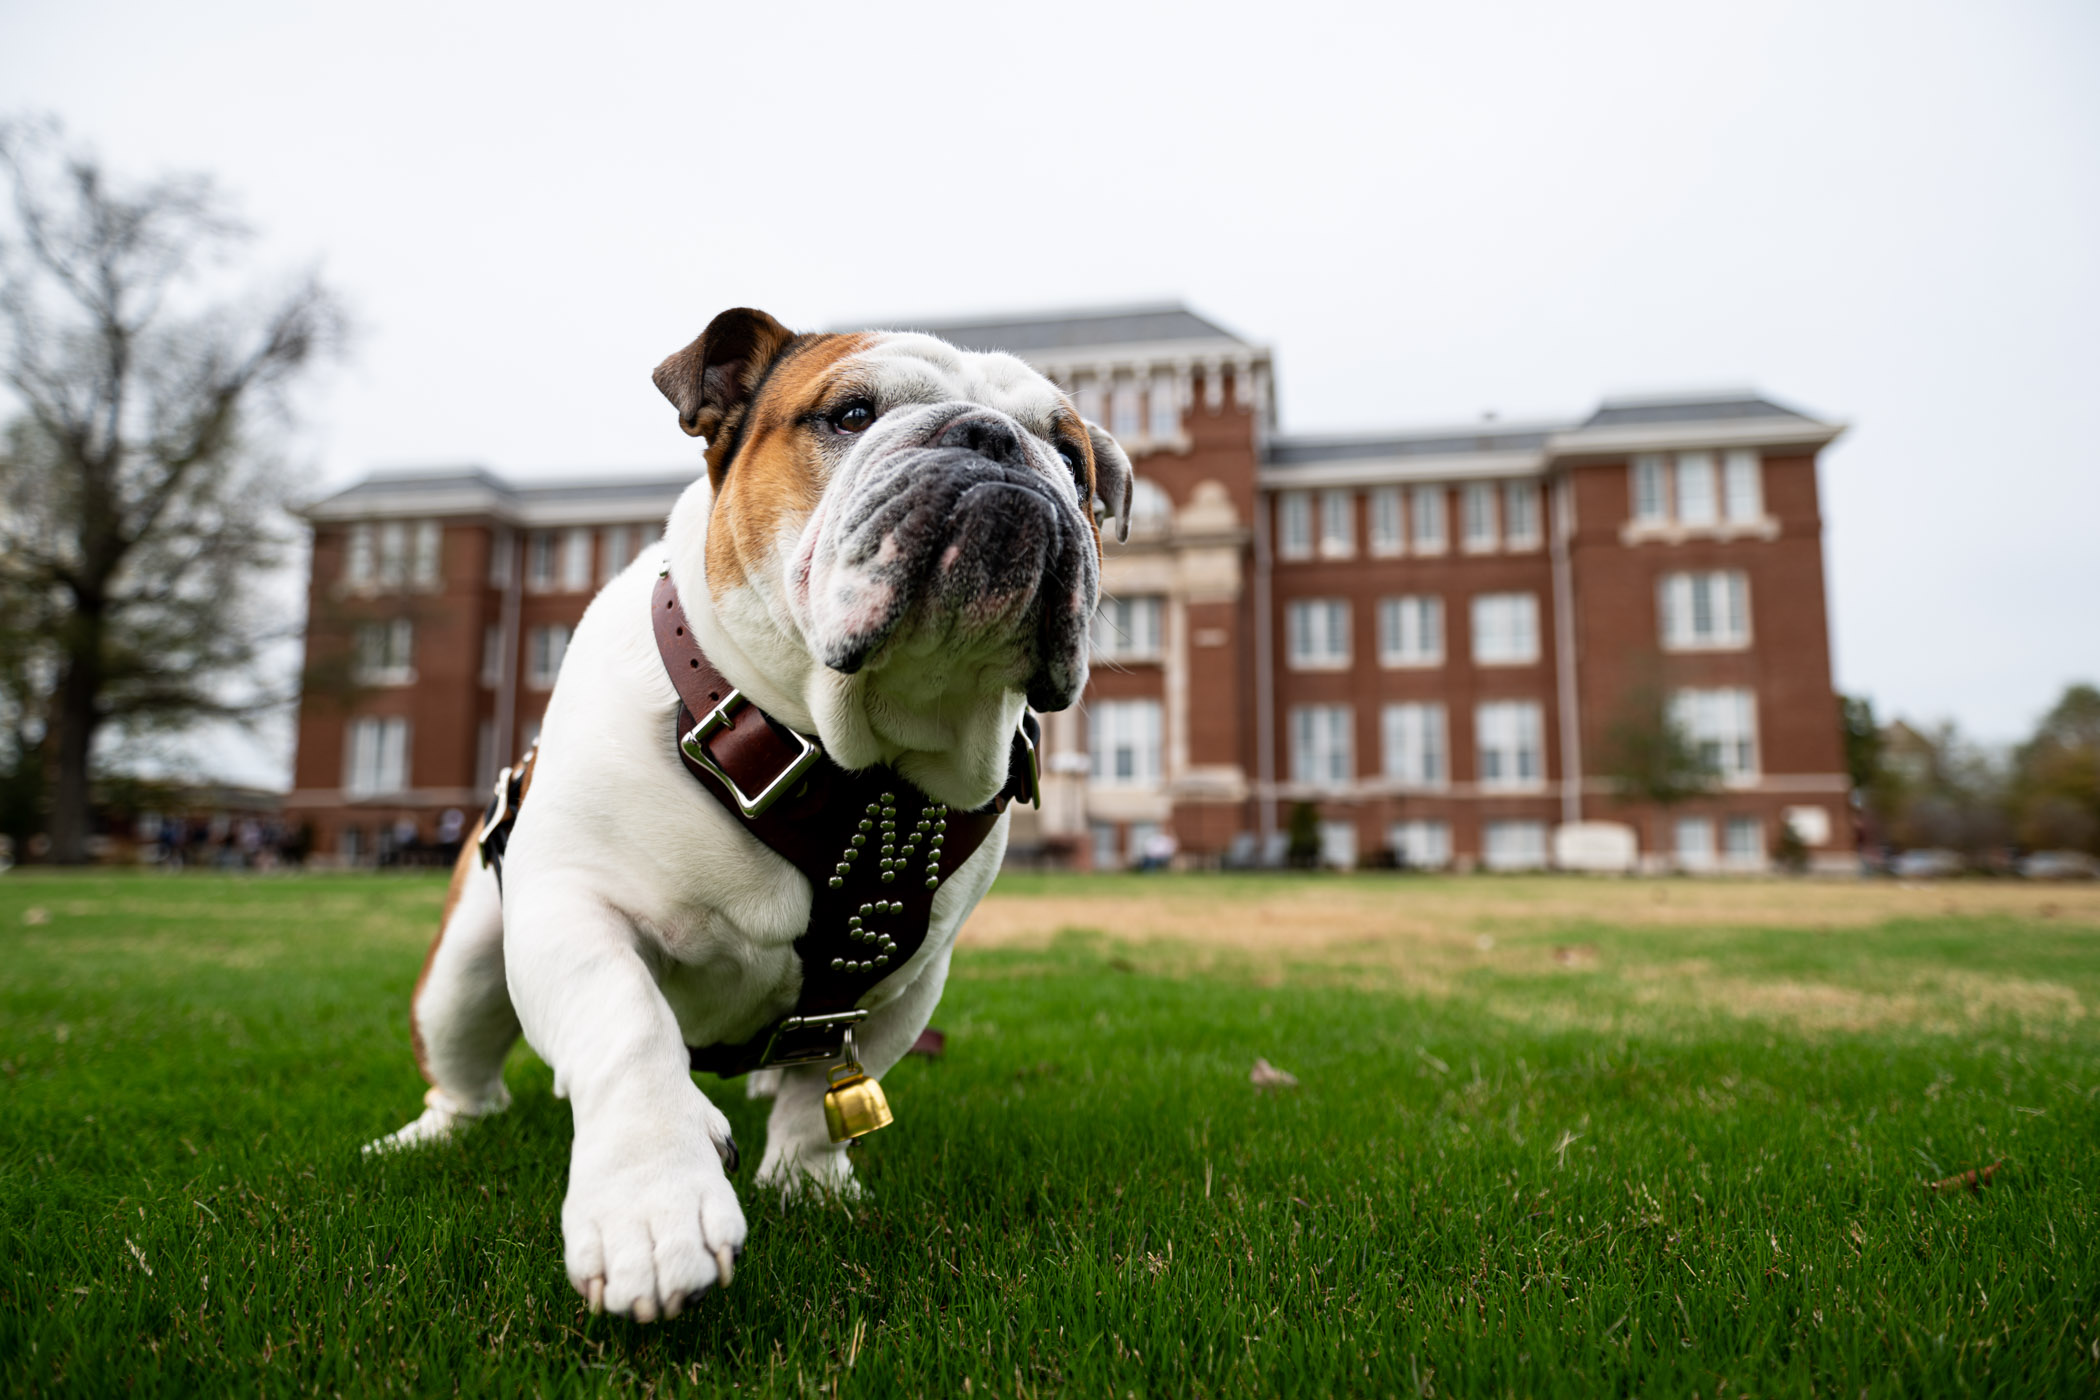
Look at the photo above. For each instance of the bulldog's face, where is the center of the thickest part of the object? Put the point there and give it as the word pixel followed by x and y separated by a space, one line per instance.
pixel 902 535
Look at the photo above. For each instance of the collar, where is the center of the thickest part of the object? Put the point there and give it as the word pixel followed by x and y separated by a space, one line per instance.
pixel 874 848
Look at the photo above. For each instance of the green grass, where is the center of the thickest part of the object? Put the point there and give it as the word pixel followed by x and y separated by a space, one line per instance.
pixel 1537 1179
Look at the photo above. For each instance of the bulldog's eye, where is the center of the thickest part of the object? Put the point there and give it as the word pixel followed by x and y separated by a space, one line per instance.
pixel 854 417
pixel 1069 455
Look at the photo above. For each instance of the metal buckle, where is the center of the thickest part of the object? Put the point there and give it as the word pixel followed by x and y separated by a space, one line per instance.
pixel 695 746
pixel 822 1045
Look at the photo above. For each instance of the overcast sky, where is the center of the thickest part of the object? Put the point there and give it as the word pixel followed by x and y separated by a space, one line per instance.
pixel 1885 213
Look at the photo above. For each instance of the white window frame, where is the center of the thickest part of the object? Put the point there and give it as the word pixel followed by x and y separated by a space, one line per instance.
pixel 616 550
pixel 393 554
pixel 1337 524
pixel 1417 735
pixel 1430 532
pixel 1742 487
pixel 1164 409
pixel 1387 524
pixel 1697 489
pixel 1126 419
pixel 1120 728
pixel 1422 844
pixel 502 545
pixel 1322 745
pixel 429 547
pixel 1294 525
pixel 1317 634
pixel 1476 501
pixel 1128 628
pixel 375 757
pixel 1725 595
pixel 1509 743
pixel 359 566
pixel 1514 844
pixel 1722 725
pixel 1523 522
pixel 576 559
pixel 546 648
pixel 542 561
pixel 386 653
pixel 1692 844
pixel 1505 629
pixel 1648 489
pixel 1151 508
pixel 1411 631
pixel 1738 853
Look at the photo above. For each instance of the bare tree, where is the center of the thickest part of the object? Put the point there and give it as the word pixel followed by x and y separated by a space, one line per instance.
pixel 140 495
pixel 1649 757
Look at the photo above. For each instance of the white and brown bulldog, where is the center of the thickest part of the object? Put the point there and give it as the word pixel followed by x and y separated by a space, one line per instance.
pixel 893 552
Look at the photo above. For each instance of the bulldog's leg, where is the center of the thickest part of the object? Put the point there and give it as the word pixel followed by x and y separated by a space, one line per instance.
pixel 650 1220
pixel 460 1018
pixel 800 1155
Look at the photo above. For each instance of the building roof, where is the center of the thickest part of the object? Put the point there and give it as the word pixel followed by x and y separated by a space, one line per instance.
pixel 1708 407
pixel 583 498
pixel 1095 328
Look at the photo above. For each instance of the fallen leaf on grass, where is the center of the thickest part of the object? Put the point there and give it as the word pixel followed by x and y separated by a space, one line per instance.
pixel 36 916
pixel 140 1255
pixel 1975 1179
pixel 1576 955
pixel 1266 1076
pixel 931 1043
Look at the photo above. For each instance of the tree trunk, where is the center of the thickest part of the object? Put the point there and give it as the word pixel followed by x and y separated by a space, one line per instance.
pixel 74 719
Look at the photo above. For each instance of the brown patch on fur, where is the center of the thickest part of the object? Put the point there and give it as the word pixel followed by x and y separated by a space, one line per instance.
pixel 1071 428
pixel 777 470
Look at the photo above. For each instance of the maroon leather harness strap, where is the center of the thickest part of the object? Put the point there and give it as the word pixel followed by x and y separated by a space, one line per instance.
pixel 874 848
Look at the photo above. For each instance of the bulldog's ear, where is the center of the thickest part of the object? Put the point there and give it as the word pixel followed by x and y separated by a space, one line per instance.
pixel 1112 478
pixel 710 381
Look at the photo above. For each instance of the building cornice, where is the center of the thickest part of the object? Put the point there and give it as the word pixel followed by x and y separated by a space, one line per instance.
pixel 1580 443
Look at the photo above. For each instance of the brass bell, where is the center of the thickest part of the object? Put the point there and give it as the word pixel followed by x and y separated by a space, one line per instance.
pixel 854 1105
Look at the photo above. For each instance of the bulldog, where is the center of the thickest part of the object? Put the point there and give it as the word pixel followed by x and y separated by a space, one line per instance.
pixel 894 553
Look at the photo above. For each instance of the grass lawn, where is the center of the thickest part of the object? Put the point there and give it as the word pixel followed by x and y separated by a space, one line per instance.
pixel 1551 1137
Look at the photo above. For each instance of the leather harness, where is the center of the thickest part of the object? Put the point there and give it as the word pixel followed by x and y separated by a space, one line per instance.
pixel 874 848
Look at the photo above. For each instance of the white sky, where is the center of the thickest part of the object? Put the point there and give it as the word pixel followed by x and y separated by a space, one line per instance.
pixel 1888 213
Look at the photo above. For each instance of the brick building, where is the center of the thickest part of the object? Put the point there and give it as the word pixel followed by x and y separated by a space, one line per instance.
pixel 1429 637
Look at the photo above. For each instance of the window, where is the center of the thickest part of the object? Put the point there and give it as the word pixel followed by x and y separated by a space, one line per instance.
pixel 358 567
pixel 393 554
pixel 616 546
pixel 539 561
pixel 1505 629
pixel 1650 505
pixel 386 652
pixel 1695 843
pixel 549 645
pixel 1514 846
pixel 1319 634
pixel 576 560
pixel 500 548
pixel 1123 418
pixel 491 657
pixel 1166 408
pixel 1087 399
pixel 1722 726
pixel 1743 844
pixel 1743 497
pixel 1696 504
pixel 1477 505
pixel 1415 744
pixel 1520 514
pixel 1320 747
pixel 485 756
pixel 378 758
pixel 1338 845
pixel 1107 856
pixel 1704 611
pixel 1420 845
pixel 1127 629
pixel 1428 504
pixel 1411 630
pixel 1123 736
pixel 1294 525
pixel 1509 734
pixel 429 538
pixel 1337 524
pixel 1387 536
pixel 1150 508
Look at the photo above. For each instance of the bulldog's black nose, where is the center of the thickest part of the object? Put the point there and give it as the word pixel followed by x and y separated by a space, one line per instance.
pixel 987 435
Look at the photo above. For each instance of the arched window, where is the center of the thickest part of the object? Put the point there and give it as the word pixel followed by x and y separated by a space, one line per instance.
pixel 1150 508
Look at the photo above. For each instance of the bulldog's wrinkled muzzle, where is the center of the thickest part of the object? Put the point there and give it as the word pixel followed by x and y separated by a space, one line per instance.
pixel 953 530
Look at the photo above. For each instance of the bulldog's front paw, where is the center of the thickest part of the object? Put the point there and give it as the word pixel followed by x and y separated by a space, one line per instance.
pixel 647 1229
